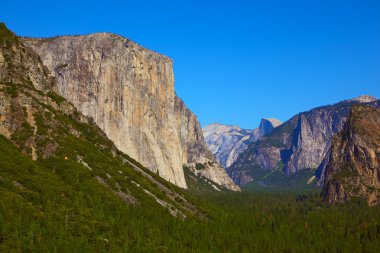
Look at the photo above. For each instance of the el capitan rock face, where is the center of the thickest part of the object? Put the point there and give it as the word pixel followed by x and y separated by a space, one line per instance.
pixel 353 165
pixel 300 143
pixel 45 140
pixel 129 92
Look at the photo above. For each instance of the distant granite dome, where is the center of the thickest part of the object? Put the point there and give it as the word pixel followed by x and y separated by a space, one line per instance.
pixel 266 126
pixel 363 99
pixel 227 142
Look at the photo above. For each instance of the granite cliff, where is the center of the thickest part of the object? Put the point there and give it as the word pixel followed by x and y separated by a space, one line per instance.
pixel 227 142
pixel 353 164
pixel 129 92
pixel 266 126
pixel 300 143
pixel 57 161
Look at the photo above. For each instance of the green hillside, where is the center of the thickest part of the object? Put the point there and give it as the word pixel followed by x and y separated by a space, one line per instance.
pixel 65 210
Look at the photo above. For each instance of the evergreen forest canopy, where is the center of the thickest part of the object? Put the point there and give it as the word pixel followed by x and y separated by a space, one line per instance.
pixel 35 219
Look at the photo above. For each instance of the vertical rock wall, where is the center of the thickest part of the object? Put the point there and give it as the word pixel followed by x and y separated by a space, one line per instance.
pixel 353 166
pixel 129 92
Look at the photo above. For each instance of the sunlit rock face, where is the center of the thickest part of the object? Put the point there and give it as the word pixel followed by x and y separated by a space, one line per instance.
pixel 300 143
pixel 227 142
pixel 353 163
pixel 314 131
pixel 129 92
pixel 266 126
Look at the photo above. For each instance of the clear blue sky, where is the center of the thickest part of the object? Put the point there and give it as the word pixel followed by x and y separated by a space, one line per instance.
pixel 235 61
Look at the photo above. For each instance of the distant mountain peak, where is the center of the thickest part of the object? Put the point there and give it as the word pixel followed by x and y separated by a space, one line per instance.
pixel 226 142
pixel 266 126
pixel 363 99
pixel 273 121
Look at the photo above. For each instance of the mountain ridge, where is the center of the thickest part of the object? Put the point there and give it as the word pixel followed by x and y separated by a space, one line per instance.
pixel 299 143
pixel 226 142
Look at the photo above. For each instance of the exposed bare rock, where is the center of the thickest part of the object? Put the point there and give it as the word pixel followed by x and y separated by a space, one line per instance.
pixel 353 165
pixel 40 124
pixel 363 99
pixel 20 64
pixel 314 131
pixel 300 143
pixel 214 170
pixel 266 126
pixel 129 92
pixel 311 137
pixel 265 153
pixel 227 142
pixel 196 151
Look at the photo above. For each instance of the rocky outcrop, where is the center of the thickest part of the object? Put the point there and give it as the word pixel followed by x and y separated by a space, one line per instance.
pixel 228 142
pixel 26 96
pixel 265 153
pixel 312 136
pixel 21 68
pixel 363 99
pixel 20 64
pixel 300 143
pixel 353 165
pixel 129 92
pixel 266 126
pixel 197 155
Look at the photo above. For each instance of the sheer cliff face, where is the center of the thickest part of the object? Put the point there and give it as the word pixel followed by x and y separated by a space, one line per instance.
pixel 353 165
pixel 196 153
pixel 266 126
pixel 228 142
pixel 194 147
pixel 129 92
pixel 311 137
pixel 300 143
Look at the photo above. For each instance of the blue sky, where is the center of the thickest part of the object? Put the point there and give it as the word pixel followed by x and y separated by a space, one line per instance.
pixel 235 61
